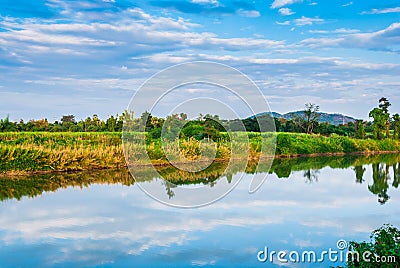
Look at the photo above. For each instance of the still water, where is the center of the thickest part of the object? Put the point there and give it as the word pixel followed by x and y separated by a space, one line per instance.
pixel 103 219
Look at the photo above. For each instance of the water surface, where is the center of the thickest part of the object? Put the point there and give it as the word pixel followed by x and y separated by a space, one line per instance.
pixel 103 219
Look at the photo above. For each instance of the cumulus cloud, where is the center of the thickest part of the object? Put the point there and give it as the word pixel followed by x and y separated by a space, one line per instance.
pixel 303 21
pixel 286 11
pixel 281 3
pixel 249 13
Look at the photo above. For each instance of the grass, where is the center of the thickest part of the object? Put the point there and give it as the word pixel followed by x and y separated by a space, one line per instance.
pixel 301 144
pixel 60 151
pixel 45 151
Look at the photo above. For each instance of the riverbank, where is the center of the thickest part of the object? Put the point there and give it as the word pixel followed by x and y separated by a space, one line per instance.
pixel 42 152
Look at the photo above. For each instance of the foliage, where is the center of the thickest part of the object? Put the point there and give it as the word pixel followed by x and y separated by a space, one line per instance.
pixel 396 126
pixel 385 242
pixel 381 118
pixel 360 129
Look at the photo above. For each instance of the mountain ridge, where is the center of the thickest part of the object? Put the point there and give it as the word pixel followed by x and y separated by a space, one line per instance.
pixel 331 118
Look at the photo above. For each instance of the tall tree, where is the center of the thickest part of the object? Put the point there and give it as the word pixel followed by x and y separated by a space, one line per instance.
pixel 310 118
pixel 384 105
pixel 396 125
pixel 379 123
pixel 360 130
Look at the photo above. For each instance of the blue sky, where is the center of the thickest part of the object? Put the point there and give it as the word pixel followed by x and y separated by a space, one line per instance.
pixel 84 57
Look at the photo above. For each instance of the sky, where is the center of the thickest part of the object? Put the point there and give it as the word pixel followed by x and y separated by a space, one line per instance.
pixel 90 57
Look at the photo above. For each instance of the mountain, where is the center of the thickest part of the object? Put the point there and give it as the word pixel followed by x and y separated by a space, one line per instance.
pixel 334 119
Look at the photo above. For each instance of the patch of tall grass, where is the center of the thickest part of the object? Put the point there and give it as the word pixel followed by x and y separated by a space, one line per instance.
pixel 34 151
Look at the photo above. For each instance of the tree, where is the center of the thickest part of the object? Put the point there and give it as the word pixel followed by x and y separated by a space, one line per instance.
pixel 127 119
pixel 396 125
pixel 312 116
pixel 111 123
pixel 384 105
pixel 7 125
pixel 309 119
pixel 360 130
pixel 385 241
pixel 379 123
pixel 68 119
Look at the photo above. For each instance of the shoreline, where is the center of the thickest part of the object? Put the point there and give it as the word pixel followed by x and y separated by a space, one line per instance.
pixel 20 173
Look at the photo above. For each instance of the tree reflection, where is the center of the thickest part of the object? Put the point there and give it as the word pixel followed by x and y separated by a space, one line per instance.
pixel 383 168
pixel 396 175
pixel 380 176
pixel 359 170
pixel 311 175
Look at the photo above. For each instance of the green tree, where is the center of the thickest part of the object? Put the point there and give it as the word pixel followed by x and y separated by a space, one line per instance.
pixel 111 123
pixel 127 119
pixel 7 125
pixel 396 126
pixel 360 130
pixel 385 242
pixel 384 105
pixel 379 123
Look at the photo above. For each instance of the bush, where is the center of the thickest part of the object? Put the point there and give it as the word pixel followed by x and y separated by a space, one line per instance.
pixel 283 144
pixel 385 242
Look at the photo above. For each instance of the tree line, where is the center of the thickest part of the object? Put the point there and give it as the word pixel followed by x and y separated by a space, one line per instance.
pixel 308 121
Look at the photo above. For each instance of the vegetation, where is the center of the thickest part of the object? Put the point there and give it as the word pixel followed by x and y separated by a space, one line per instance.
pixel 43 151
pixel 301 144
pixel 71 145
pixel 26 151
pixel 384 244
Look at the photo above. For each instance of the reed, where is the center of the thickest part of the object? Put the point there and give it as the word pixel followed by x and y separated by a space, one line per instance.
pixel 66 151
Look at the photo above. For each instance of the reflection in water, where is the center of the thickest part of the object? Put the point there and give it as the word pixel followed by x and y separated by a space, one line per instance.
pixel 112 224
pixel 359 170
pixel 281 167
pixel 31 186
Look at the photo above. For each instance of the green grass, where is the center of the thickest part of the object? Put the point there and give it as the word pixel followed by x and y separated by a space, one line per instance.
pixel 294 144
pixel 45 151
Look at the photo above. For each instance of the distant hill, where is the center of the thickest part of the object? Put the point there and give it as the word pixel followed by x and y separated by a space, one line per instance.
pixel 334 119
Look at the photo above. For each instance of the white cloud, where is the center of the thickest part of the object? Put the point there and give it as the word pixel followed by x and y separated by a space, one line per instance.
pixel 347 4
pixel 385 40
pixel 283 23
pixel 286 11
pixel 339 31
pixel 249 13
pixel 383 11
pixel 307 21
pixel 346 31
pixel 213 2
pixel 281 3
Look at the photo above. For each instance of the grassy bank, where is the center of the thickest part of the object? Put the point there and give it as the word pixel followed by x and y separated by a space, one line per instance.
pixel 303 144
pixel 43 151
pixel 60 151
